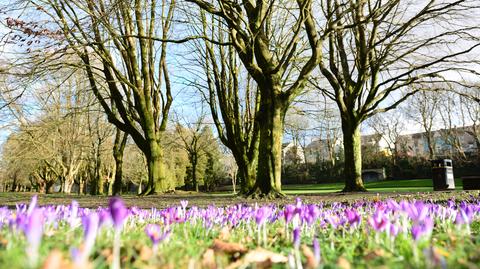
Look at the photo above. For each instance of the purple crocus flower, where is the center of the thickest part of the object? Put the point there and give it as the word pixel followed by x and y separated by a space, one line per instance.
pixel 316 250
pixel 354 219
pixel 33 204
pixel 19 222
pixel 298 202
pixel 378 221
pixel 296 237
pixel 334 220
pixel 394 229
pixel 90 223
pixel 33 230
pixel 104 217
pixel 312 214
pixel 464 216
pixel 417 211
pixel 156 234
pixel 422 228
pixel 262 214
pixel 118 212
pixel 288 213
pixel 73 220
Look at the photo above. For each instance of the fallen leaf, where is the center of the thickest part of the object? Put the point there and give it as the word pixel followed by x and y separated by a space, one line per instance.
pixel 145 253
pixel 54 260
pixel 311 260
pixel 261 255
pixel 375 254
pixel 107 253
pixel 441 252
pixel 3 241
pixel 208 260
pixel 343 263
pixel 229 248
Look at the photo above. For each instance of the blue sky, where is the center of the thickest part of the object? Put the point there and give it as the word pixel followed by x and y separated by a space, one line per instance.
pixel 187 101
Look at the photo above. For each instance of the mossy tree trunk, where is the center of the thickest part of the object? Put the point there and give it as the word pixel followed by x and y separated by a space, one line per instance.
pixel 156 169
pixel 118 150
pixel 353 156
pixel 247 172
pixel 363 44
pixel 271 120
pixel 131 68
pixel 194 162
pixel 268 58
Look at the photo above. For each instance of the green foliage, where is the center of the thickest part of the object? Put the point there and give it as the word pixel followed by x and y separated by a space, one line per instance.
pixel 451 244
pixel 319 172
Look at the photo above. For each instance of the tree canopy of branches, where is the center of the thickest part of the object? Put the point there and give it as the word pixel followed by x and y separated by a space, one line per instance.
pixel 126 67
pixel 197 140
pixel 379 49
pixel 232 96
pixel 272 40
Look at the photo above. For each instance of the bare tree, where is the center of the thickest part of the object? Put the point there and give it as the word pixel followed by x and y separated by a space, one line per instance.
pixel 450 112
pixel 120 45
pixel 297 126
pixel 271 39
pixel 423 109
pixel 118 151
pixel 233 105
pixel 231 169
pixel 196 141
pixel 470 114
pixel 378 49
pixel 390 125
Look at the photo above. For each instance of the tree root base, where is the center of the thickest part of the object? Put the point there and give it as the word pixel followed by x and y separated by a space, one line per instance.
pixel 354 189
pixel 258 194
pixel 147 192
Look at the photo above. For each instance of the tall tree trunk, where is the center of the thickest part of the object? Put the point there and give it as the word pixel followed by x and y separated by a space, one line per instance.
pixel 156 169
pixel 62 184
pixel 269 171
pixel 100 184
pixel 430 145
pixel 247 173
pixel 98 174
pixel 68 185
pixel 42 187
pixel 81 187
pixel 118 150
pixel 353 156
pixel 194 173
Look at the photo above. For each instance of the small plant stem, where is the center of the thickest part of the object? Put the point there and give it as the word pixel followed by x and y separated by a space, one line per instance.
pixel 116 250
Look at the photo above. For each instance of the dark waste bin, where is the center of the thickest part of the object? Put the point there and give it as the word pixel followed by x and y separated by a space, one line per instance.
pixel 442 175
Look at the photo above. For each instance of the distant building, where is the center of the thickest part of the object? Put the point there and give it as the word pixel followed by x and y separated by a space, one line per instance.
pixel 410 145
pixel 318 150
pixel 292 154
pixel 375 143
pixel 416 145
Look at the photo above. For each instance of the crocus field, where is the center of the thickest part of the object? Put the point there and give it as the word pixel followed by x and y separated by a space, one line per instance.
pixel 359 234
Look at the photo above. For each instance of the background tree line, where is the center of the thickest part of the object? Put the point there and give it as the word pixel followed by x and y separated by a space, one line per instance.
pixel 250 61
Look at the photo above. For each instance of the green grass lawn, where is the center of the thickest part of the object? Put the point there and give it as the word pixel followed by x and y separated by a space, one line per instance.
pixel 396 189
pixel 213 238
pixel 412 185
